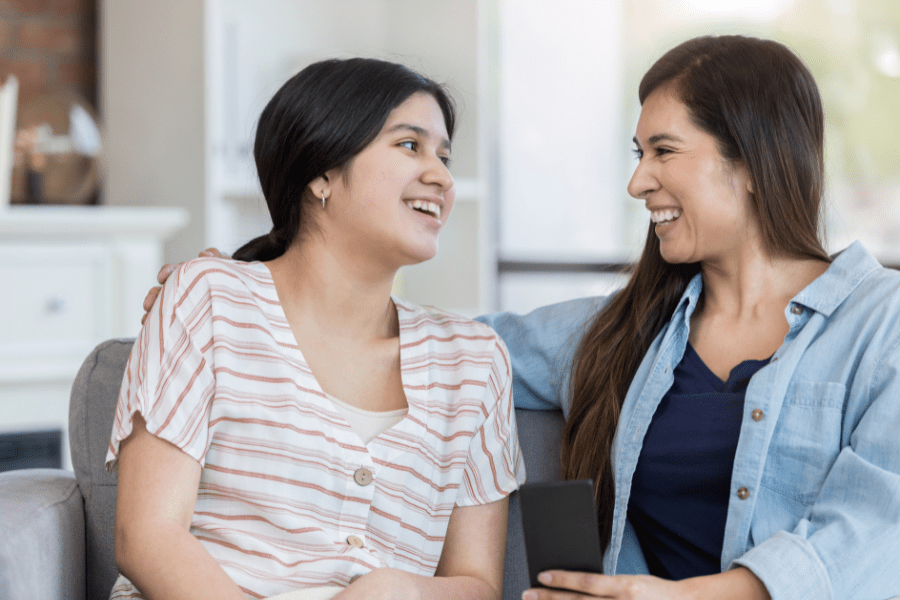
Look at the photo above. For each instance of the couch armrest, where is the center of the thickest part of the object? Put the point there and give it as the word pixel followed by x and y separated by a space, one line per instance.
pixel 41 535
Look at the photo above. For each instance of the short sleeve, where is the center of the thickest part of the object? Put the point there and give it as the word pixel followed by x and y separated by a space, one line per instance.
pixel 495 467
pixel 169 377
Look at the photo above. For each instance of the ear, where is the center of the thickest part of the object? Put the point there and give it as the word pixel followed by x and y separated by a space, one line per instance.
pixel 749 185
pixel 320 186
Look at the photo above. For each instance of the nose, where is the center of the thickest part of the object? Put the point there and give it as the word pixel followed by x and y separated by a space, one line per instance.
pixel 437 173
pixel 642 181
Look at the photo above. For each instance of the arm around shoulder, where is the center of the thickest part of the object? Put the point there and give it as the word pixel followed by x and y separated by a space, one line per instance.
pixel 542 344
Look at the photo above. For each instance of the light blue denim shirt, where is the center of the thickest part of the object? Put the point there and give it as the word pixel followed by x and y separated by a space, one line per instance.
pixel 818 512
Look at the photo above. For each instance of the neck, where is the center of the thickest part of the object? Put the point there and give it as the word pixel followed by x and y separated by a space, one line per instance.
pixel 741 285
pixel 344 296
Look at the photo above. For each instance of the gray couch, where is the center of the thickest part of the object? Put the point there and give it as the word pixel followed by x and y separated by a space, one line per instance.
pixel 56 527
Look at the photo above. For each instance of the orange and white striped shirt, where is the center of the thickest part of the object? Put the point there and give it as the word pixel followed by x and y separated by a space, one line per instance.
pixel 289 496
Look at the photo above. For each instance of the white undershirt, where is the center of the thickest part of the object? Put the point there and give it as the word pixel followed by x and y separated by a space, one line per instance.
pixel 368 424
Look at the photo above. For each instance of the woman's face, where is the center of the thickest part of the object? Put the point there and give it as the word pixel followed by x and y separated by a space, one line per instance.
pixel 393 198
pixel 699 201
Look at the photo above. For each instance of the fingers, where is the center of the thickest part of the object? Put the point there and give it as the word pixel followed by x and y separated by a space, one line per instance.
pixel 570 585
pixel 214 253
pixel 165 272
pixel 586 583
pixel 150 298
pixel 168 269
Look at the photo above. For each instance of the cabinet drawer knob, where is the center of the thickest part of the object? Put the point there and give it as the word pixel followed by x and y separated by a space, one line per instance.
pixel 57 304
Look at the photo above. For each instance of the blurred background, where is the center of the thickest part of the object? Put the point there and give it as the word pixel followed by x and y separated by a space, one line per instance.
pixel 135 120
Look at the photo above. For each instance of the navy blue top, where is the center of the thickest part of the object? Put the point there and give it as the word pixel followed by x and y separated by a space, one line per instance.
pixel 680 488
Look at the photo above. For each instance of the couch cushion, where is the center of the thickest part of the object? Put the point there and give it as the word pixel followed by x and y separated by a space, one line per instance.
pixel 91 413
pixel 41 535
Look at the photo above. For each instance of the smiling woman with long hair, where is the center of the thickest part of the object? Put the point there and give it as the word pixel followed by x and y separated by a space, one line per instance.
pixel 285 424
pixel 736 402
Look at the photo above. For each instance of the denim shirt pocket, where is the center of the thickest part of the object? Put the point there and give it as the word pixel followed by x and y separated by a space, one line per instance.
pixel 806 442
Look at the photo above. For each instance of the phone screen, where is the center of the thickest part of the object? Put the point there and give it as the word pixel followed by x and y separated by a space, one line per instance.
pixel 559 521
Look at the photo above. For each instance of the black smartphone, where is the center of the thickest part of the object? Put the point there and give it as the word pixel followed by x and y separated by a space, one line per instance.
pixel 559 521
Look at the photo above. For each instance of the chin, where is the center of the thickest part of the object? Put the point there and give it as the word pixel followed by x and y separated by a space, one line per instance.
pixel 676 258
pixel 419 255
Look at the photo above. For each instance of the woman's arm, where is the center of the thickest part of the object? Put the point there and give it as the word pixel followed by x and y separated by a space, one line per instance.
pixel 153 544
pixel 471 564
pixel 736 584
pixel 474 553
pixel 541 346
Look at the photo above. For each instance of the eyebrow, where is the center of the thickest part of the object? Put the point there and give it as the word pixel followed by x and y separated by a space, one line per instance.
pixel 659 137
pixel 420 131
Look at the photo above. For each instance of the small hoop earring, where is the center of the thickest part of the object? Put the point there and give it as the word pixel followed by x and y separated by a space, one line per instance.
pixel 323 199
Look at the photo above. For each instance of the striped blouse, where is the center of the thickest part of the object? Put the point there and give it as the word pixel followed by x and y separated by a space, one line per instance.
pixel 289 496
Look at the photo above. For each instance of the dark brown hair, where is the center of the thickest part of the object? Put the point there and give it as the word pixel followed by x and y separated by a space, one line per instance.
pixel 762 105
pixel 319 120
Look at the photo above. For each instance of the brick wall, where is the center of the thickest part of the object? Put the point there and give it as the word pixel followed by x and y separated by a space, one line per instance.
pixel 50 44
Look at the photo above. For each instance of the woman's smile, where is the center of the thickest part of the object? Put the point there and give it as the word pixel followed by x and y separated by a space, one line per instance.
pixel 426 207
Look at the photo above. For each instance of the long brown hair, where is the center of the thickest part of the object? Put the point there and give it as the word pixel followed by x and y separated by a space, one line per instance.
pixel 762 105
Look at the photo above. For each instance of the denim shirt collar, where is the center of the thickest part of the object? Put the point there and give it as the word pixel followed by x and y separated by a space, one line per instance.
pixel 848 269
pixel 827 292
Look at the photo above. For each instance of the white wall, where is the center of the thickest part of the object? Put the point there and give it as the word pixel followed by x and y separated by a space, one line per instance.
pixel 152 101
pixel 561 133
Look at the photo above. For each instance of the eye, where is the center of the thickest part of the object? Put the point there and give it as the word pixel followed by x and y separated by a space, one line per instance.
pixel 410 145
pixel 638 153
pixel 660 151
pixel 446 160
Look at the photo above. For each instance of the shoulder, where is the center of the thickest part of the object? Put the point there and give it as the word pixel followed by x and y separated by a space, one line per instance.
pixel 442 334
pixel 197 279
pixel 435 324
pixel 883 285
pixel 875 302
pixel 214 270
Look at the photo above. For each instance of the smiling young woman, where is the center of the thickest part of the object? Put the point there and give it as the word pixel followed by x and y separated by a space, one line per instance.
pixel 280 410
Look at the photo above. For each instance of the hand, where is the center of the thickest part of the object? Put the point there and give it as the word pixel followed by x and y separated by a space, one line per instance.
pixel 381 584
pixel 164 274
pixel 738 583
pixel 589 585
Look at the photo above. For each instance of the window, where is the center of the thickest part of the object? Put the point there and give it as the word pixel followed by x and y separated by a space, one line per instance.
pixel 568 76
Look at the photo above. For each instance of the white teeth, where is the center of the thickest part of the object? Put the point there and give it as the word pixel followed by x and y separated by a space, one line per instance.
pixel 431 207
pixel 663 216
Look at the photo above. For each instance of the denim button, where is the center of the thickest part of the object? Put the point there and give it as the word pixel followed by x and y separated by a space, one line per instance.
pixel 757 415
pixel 743 493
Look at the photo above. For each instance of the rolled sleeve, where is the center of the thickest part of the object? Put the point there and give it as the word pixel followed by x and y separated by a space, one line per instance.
pixel 789 567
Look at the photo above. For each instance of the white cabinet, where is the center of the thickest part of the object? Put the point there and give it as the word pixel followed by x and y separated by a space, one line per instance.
pixel 71 278
pixel 183 83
